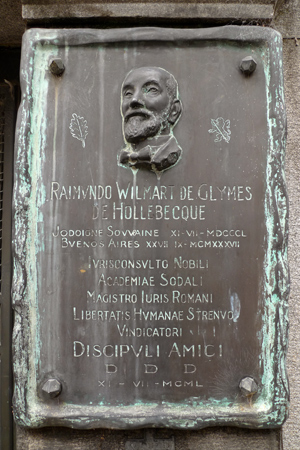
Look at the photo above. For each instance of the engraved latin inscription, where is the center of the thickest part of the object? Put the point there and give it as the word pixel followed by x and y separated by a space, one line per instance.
pixel 158 308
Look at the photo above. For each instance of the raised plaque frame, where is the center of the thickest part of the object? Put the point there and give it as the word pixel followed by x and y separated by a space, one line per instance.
pixel 263 409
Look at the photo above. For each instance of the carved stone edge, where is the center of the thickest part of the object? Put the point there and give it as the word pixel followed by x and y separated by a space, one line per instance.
pixel 27 411
pixel 176 10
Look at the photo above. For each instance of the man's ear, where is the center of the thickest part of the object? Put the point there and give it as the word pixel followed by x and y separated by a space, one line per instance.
pixel 175 112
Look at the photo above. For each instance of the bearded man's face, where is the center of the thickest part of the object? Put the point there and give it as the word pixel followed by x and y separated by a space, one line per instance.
pixel 145 104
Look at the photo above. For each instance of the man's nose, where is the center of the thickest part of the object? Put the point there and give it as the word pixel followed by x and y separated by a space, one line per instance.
pixel 136 101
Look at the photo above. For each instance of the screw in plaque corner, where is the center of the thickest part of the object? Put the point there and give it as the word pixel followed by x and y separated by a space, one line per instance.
pixel 57 67
pixel 52 388
pixel 248 65
pixel 248 388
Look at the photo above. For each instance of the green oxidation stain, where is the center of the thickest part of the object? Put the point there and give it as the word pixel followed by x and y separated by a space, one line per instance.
pixel 178 415
pixel 274 331
pixel 269 309
pixel 21 200
pixel 37 158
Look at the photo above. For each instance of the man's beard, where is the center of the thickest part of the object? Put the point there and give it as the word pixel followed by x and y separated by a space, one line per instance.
pixel 138 128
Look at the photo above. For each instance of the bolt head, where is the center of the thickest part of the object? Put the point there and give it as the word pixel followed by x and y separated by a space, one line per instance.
pixel 52 388
pixel 57 67
pixel 248 65
pixel 248 386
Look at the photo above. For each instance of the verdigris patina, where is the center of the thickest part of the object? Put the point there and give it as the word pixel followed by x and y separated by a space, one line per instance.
pixel 154 295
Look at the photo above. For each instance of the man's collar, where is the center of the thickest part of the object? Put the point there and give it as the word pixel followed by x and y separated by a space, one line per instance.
pixel 155 142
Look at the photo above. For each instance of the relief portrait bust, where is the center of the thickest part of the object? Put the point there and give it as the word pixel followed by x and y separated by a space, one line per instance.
pixel 150 109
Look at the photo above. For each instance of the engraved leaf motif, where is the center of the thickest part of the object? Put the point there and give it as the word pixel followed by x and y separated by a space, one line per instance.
pixel 78 128
pixel 222 129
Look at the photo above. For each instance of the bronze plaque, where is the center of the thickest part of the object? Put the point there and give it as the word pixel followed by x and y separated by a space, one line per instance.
pixel 150 273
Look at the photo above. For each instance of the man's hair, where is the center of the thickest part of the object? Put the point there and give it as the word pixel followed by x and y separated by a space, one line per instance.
pixel 172 86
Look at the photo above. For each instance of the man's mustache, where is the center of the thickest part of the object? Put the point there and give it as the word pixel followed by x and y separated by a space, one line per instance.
pixel 138 112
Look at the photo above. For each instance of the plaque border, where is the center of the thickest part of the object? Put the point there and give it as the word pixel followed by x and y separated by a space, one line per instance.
pixel 270 410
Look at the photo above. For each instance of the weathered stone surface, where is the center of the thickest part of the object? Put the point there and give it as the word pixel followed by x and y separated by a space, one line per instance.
pixel 287 19
pixel 65 3
pixel 202 11
pixel 12 24
pixel 216 438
